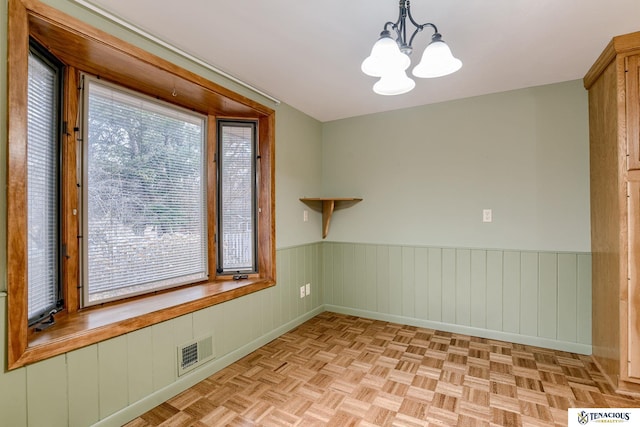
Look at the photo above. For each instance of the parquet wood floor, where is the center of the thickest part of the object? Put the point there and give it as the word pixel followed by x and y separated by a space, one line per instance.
pixel 337 370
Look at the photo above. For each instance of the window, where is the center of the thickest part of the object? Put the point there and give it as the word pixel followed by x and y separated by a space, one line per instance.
pixel 144 192
pixel 236 196
pixel 115 197
pixel 42 188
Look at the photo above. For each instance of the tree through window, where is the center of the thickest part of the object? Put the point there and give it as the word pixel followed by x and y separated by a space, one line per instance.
pixel 145 222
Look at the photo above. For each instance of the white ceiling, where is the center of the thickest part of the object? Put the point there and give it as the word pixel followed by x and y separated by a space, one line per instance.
pixel 308 53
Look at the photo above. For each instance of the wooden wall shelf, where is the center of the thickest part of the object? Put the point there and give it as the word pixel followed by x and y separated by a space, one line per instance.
pixel 327 205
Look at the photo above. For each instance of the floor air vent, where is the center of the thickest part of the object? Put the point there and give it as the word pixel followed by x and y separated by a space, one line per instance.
pixel 194 354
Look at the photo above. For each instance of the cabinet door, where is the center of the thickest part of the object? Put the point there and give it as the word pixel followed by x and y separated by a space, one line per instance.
pixel 633 306
pixel 633 111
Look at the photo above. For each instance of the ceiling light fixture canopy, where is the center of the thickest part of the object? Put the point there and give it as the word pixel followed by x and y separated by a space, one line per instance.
pixel 389 58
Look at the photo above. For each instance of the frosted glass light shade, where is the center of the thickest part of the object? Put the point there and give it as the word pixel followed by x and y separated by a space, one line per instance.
pixel 385 57
pixel 395 83
pixel 437 61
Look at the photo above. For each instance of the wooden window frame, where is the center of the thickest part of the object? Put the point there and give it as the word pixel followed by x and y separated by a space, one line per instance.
pixel 83 48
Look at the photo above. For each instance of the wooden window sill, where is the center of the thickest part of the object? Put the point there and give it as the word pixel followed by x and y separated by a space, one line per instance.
pixel 100 323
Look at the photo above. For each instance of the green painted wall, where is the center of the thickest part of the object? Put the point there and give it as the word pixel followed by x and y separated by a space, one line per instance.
pixel 530 297
pixel 426 173
pixel 298 174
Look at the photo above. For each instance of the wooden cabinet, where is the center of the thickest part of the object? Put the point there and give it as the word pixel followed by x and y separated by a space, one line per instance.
pixel 613 83
pixel 634 279
pixel 632 96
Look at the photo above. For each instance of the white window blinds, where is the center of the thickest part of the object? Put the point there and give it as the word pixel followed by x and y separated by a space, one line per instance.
pixel 42 187
pixel 237 205
pixel 144 195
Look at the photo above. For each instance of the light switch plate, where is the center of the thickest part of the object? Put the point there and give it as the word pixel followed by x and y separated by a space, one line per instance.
pixel 487 215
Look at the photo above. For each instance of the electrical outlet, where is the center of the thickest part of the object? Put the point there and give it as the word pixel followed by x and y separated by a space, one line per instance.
pixel 305 215
pixel 308 288
pixel 302 292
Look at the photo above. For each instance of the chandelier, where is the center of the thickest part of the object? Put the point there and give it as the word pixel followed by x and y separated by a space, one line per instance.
pixel 389 58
